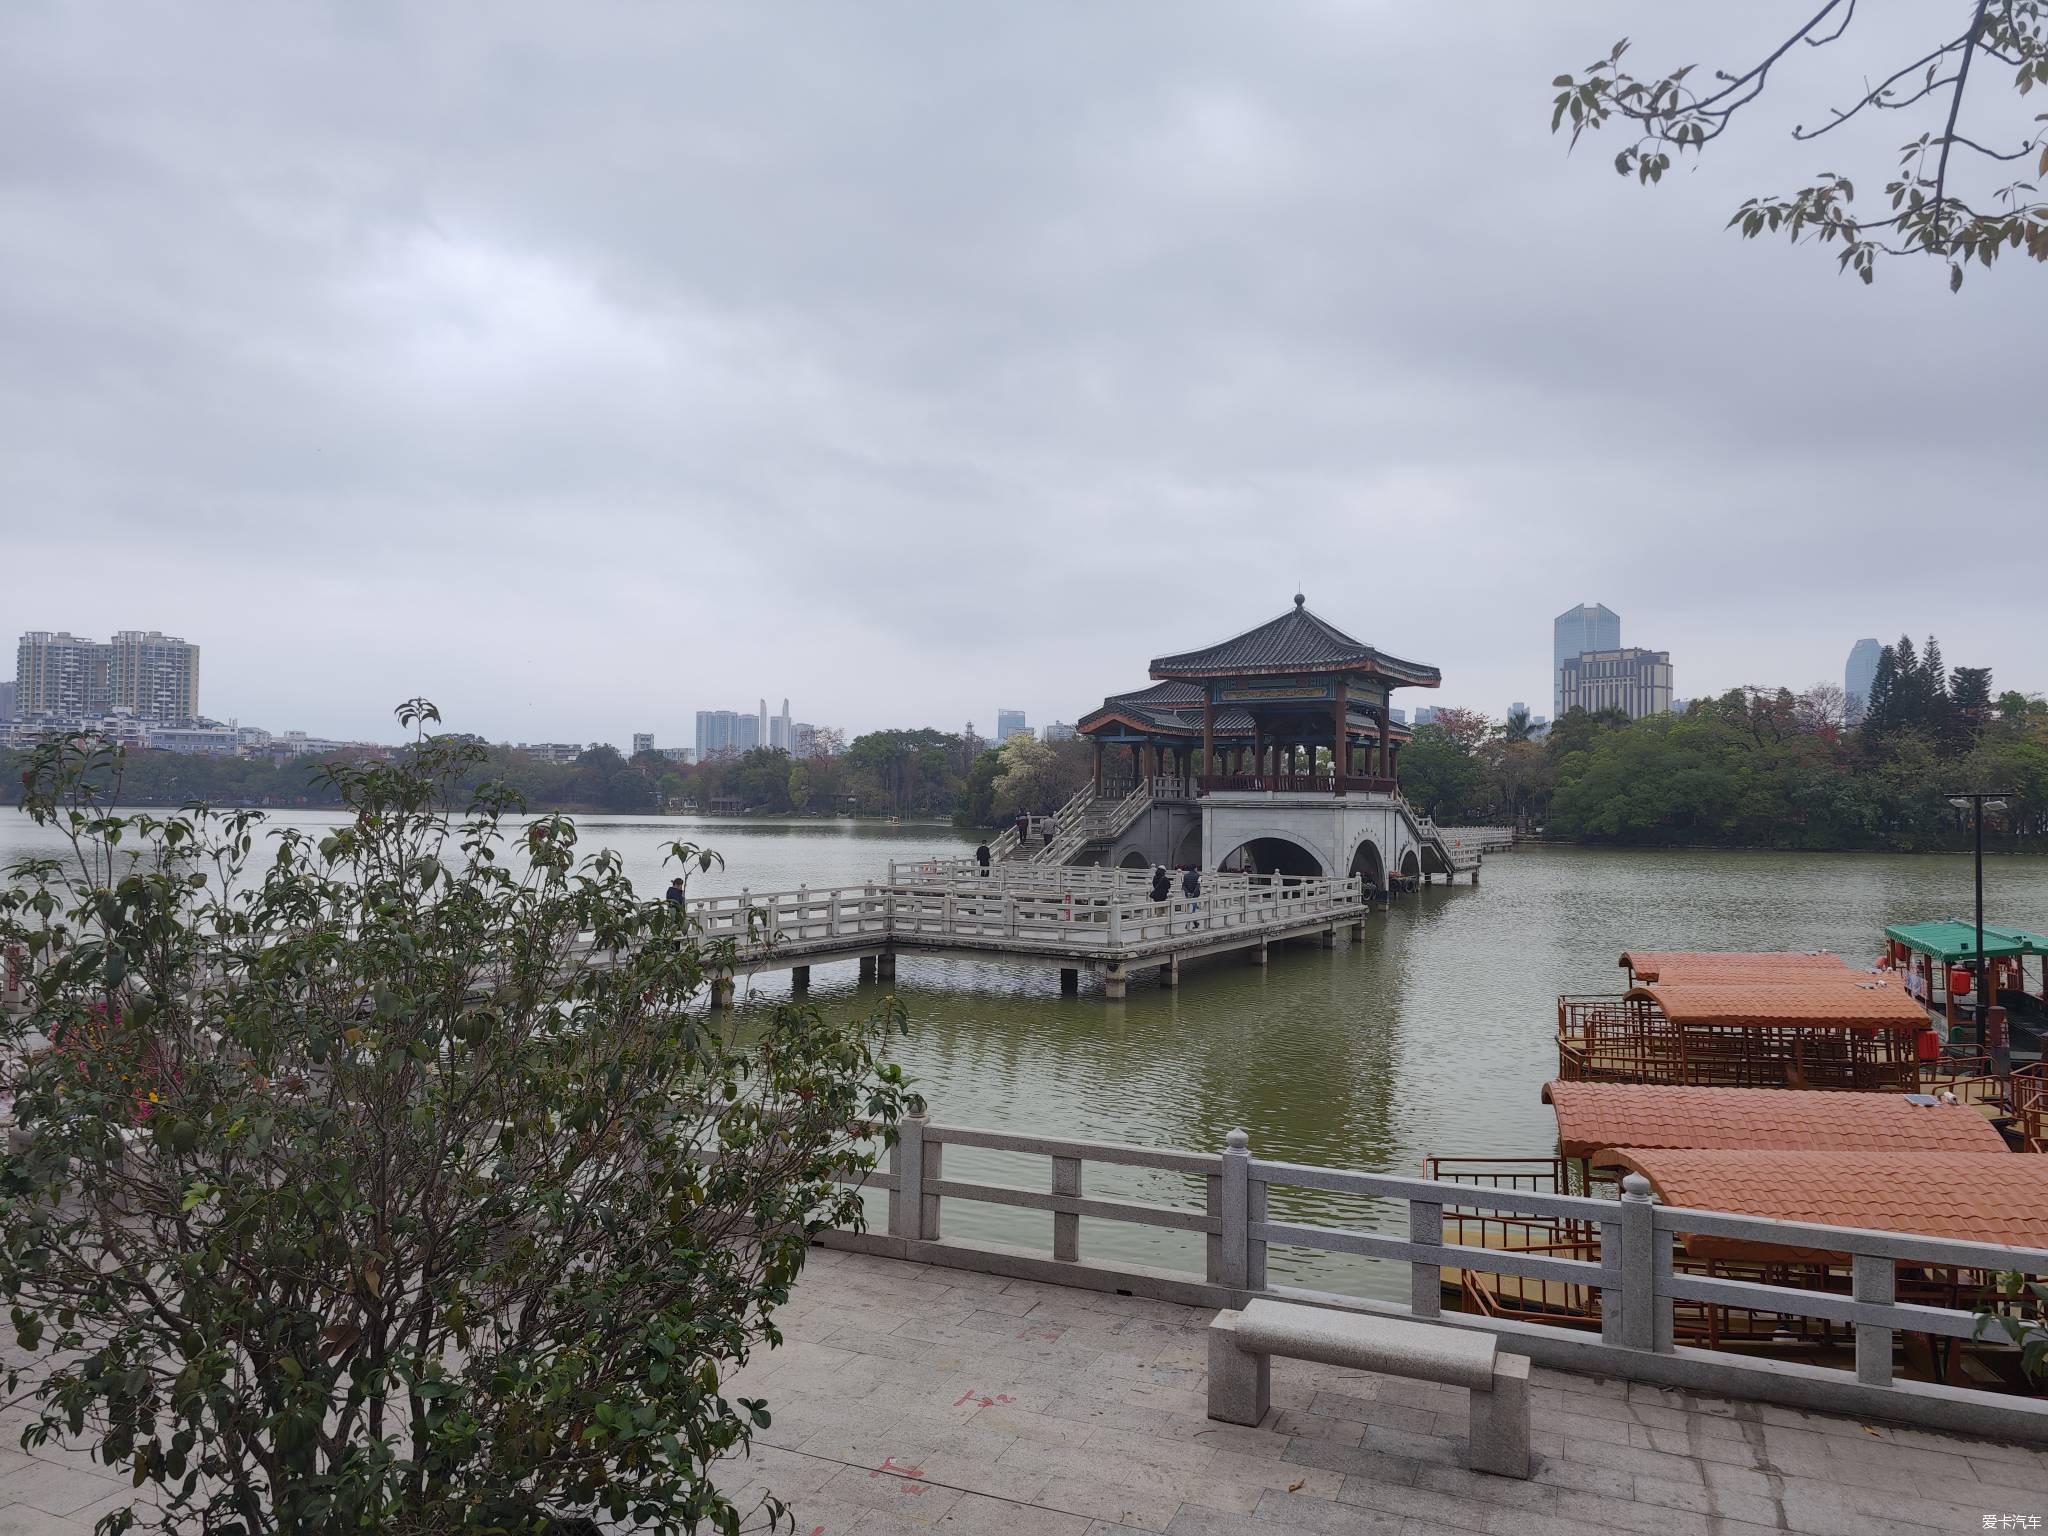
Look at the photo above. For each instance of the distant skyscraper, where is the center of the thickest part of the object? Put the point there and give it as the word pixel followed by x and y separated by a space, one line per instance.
pixel 1588 627
pixel 643 741
pixel 153 676
pixel 1635 681
pixel 781 734
pixel 1008 723
pixel 1060 730
pixel 1858 676
pixel 6 702
pixel 718 730
pixel 765 736
pixel 1425 714
pixel 61 674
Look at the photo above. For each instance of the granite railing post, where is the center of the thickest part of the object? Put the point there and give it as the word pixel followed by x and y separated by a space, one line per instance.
pixel 1236 1214
pixel 1645 1315
pixel 1875 1279
pixel 906 1161
pixel 1425 1281
pixel 1610 1282
pixel 1066 1226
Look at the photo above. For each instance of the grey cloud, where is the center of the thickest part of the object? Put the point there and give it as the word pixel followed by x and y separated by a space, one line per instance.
pixel 588 366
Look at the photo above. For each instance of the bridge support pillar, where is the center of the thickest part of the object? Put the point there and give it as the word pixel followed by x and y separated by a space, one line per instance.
pixel 1169 973
pixel 1115 981
pixel 1258 955
pixel 885 966
pixel 1475 874
pixel 1329 938
pixel 1070 979
pixel 800 978
pixel 1358 933
pixel 721 992
pixel 867 967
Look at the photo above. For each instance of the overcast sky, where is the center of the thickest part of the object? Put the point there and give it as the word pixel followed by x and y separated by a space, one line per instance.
pixel 581 366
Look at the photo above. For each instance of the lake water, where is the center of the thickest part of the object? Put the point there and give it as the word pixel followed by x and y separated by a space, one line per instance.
pixel 1433 1034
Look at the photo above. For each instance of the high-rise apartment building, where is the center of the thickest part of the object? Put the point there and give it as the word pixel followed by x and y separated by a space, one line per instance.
pixel 1059 730
pixel 718 731
pixel 6 702
pixel 643 741
pixel 1008 723
pixel 1635 681
pixel 61 674
pixel 144 673
pixel 1858 676
pixel 781 734
pixel 153 676
pixel 1588 627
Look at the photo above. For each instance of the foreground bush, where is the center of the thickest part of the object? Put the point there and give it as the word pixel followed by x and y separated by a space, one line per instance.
pixel 363 1183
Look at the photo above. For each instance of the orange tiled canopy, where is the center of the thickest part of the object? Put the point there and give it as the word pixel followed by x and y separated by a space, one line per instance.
pixel 1793 1000
pixel 1704 964
pixel 1594 1118
pixel 1986 1198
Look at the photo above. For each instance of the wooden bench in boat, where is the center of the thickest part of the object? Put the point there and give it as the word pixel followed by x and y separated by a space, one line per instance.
pixel 1242 1344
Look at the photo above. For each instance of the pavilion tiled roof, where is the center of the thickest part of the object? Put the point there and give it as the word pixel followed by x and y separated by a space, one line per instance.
pixel 1175 708
pixel 1788 1001
pixel 1595 1118
pixel 1297 641
pixel 1674 964
pixel 1986 1198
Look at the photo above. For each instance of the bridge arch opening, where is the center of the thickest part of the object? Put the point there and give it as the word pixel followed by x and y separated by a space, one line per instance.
pixel 1271 856
pixel 1410 865
pixel 1366 861
pixel 1135 859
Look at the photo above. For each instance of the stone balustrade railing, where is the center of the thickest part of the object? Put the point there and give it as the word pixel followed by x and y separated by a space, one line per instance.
pixel 1631 1271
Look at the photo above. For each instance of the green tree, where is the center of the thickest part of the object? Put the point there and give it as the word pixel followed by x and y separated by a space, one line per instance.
pixel 1027 777
pixel 1439 773
pixel 978 793
pixel 1932 214
pixel 799 789
pixel 387 1180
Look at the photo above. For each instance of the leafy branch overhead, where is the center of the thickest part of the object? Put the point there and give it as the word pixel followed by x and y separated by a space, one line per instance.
pixel 1959 193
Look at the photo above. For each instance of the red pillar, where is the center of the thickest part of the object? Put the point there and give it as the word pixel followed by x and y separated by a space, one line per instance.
pixel 1208 736
pixel 1340 728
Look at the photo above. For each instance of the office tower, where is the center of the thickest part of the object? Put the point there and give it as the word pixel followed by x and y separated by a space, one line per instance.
pixel 6 702
pixel 153 676
pixel 61 674
pixel 1425 714
pixel 643 741
pixel 1588 627
pixel 1060 730
pixel 763 735
pixel 1635 681
pixel 1008 723
pixel 1858 676
pixel 785 736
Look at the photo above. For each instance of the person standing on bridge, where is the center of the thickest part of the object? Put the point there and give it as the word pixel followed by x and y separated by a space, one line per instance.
pixel 676 896
pixel 981 857
pixel 1162 883
pixel 1191 887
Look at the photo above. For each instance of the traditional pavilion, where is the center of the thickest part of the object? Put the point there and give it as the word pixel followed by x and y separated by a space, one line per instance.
pixel 1294 706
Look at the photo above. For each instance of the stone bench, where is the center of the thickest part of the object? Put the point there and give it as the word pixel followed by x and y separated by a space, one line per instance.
pixel 1242 1344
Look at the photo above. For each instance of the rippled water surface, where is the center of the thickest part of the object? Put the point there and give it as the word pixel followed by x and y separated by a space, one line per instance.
pixel 1433 1034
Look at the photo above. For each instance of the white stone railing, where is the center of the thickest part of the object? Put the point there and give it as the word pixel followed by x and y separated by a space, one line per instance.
pixel 1632 1270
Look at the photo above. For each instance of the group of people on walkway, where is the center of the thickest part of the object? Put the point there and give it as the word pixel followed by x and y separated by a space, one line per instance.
pixel 1190 887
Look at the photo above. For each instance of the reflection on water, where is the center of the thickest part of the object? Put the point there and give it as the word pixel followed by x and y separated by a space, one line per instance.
pixel 1433 1034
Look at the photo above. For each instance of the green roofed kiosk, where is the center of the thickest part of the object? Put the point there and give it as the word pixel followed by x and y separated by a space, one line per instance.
pixel 1938 960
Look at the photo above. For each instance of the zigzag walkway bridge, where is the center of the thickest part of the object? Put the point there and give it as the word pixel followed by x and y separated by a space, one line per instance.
pixel 1102 921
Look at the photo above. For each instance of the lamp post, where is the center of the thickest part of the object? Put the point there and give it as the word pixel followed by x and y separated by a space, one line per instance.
pixel 1977 802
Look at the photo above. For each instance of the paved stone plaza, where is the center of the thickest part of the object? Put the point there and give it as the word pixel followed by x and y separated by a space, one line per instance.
pixel 910 1397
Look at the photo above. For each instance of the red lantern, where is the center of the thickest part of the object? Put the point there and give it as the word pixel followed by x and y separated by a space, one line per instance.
pixel 1927 1045
pixel 1959 982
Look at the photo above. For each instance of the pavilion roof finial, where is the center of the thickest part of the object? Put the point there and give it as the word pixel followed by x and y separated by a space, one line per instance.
pixel 1300 601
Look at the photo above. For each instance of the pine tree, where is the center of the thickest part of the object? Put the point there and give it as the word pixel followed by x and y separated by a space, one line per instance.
pixel 1879 716
pixel 1936 674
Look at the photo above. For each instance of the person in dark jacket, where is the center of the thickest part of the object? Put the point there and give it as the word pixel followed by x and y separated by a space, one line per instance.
pixel 981 858
pixel 1191 887
pixel 676 896
pixel 1162 885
